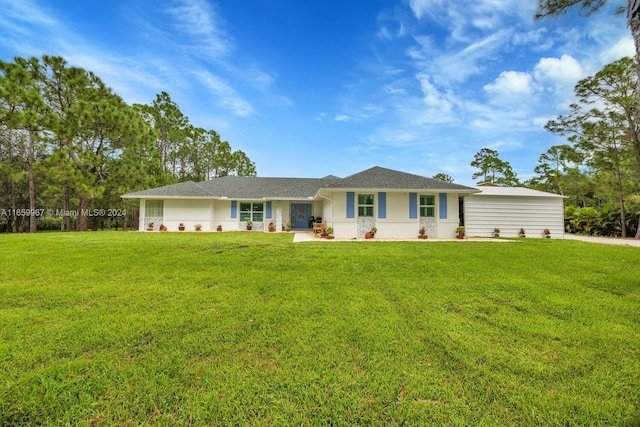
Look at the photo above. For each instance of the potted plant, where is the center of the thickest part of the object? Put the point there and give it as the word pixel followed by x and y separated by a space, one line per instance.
pixel 198 227
pixel 523 233
pixel 371 233
pixel 163 227
pixel 219 227
pixel 547 233
pixel 496 232
pixel 329 232
pixel 287 226
pixel 150 226
pixel 422 233
pixel 272 227
pixel 460 232
pixel 181 226
pixel 249 224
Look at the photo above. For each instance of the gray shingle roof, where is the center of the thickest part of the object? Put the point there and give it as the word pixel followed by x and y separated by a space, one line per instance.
pixel 182 189
pixel 239 187
pixel 382 178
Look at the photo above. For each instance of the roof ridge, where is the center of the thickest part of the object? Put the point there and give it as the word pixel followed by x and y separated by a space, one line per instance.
pixel 204 189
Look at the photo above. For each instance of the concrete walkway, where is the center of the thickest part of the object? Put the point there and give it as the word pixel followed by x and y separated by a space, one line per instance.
pixel 604 240
pixel 307 236
pixel 302 236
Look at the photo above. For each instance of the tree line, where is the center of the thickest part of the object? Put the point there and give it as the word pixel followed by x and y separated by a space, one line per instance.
pixel 68 142
pixel 69 145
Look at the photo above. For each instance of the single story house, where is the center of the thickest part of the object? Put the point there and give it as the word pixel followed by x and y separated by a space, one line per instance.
pixel 398 204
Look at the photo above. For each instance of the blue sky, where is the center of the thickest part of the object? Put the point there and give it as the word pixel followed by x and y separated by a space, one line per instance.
pixel 312 88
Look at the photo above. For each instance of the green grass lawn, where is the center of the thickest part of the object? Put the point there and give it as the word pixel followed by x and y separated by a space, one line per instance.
pixel 123 328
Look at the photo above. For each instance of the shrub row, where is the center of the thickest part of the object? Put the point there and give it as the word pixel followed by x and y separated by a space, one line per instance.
pixel 605 221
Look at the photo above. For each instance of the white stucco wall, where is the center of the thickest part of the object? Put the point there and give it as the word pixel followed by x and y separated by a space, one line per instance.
pixel 332 207
pixel 189 212
pixel 397 223
pixel 447 227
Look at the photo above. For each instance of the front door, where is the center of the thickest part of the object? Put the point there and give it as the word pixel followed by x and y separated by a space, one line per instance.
pixel 300 213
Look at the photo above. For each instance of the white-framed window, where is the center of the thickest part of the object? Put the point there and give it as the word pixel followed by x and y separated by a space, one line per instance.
pixel 365 205
pixel 252 211
pixel 427 206
pixel 154 208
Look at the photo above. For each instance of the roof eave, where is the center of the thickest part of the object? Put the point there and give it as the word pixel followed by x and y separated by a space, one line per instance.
pixel 127 196
pixel 400 190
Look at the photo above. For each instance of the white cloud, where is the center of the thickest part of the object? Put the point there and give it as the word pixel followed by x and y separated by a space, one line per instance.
pixel 624 47
pixel 536 40
pixel 420 8
pixel 394 88
pixel 342 118
pixel 562 71
pixel 465 15
pixel 510 83
pixel 25 11
pixel 225 94
pixel 432 97
pixel 461 65
pixel 196 18
pixel 457 66
pixel 384 33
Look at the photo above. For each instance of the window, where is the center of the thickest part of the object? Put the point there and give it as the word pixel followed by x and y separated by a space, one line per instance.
pixel 427 206
pixel 252 211
pixel 365 204
pixel 154 208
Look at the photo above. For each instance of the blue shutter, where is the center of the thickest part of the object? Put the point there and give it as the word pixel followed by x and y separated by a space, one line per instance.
pixel 443 206
pixel 268 212
pixel 413 205
pixel 234 209
pixel 382 205
pixel 351 204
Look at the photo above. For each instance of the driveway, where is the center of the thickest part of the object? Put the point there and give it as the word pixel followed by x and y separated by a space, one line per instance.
pixel 308 237
pixel 604 240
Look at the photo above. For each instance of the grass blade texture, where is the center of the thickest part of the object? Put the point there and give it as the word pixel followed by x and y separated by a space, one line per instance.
pixel 115 328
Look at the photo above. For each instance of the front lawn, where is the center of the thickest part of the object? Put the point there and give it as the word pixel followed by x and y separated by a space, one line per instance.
pixel 244 328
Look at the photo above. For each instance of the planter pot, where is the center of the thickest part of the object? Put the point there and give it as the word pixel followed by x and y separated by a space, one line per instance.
pixel 368 235
pixel 219 229
pixel 331 237
pixel 149 229
pixel 181 228
pixel 459 237
pixel 422 237
pixel 496 235
pixel 523 235
pixel 249 227
pixel 547 236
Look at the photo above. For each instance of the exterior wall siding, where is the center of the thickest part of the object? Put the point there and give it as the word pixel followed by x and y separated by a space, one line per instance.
pixel 510 213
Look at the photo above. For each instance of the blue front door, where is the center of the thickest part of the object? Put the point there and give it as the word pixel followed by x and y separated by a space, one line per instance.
pixel 300 213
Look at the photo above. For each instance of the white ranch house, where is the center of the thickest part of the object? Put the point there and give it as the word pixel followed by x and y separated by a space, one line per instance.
pixel 398 204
